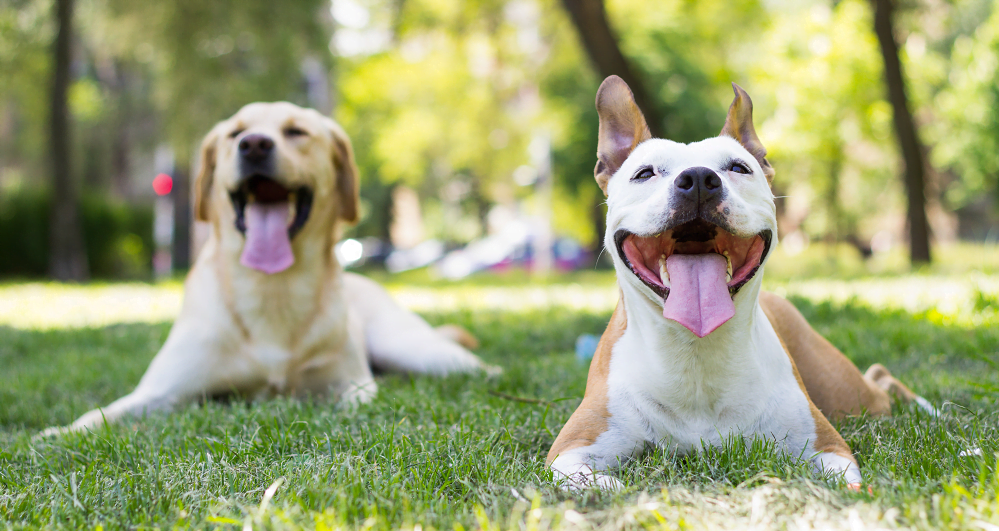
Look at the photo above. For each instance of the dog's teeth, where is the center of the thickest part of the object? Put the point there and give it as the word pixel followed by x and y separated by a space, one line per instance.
pixel 663 272
pixel 728 266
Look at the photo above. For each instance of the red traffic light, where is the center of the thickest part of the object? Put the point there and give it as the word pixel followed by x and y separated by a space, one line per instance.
pixel 162 184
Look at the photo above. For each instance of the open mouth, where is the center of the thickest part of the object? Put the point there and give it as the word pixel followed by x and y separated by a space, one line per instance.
pixel 269 215
pixel 267 191
pixel 702 264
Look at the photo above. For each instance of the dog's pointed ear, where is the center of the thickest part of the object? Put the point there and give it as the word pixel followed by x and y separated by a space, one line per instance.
pixel 622 128
pixel 739 125
pixel 205 177
pixel 348 186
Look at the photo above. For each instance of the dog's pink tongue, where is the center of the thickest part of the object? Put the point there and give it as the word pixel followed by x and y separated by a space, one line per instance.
pixel 698 294
pixel 267 246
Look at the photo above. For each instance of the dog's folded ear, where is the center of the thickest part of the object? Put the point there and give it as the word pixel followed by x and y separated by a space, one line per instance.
pixel 739 125
pixel 205 177
pixel 347 181
pixel 622 128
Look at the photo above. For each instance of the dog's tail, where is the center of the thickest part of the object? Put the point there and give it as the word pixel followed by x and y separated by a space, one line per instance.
pixel 399 340
pixel 459 335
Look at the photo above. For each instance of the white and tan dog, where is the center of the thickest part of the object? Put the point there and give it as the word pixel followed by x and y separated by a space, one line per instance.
pixel 267 309
pixel 694 352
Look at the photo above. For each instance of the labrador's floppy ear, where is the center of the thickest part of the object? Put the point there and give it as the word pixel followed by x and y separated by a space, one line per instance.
pixel 739 125
pixel 622 128
pixel 206 176
pixel 347 183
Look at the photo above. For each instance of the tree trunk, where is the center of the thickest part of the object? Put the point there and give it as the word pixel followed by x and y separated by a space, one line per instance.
pixel 590 19
pixel 905 131
pixel 67 254
pixel 182 216
pixel 121 146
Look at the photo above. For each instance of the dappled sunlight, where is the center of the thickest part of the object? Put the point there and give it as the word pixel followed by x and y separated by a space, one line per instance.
pixel 49 305
pixel 967 299
pixel 594 298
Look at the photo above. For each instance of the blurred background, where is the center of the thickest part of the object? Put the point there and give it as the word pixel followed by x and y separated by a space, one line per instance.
pixel 474 127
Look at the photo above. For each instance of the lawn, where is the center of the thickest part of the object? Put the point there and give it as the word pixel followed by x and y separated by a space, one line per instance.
pixel 467 452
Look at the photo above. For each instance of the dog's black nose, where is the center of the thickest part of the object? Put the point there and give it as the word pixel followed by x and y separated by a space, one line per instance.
pixel 698 184
pixel 256 147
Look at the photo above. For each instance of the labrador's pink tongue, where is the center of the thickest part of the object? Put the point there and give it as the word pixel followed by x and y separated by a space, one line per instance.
pixel 698 294
pixel 267 246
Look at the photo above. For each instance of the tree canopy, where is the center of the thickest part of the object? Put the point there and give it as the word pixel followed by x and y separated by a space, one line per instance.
pixel 446 97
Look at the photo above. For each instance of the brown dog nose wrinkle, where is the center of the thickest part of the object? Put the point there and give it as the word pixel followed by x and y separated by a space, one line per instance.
pixel 256 146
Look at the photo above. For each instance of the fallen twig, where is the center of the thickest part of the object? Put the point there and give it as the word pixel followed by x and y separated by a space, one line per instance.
pixel 519 398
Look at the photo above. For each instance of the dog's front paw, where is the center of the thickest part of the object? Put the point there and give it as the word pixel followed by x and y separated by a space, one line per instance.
pixel 589 480
pixel 358 394
pixel 492 370
pixel 605 482
pixel 571 474
pixel 90 421
pixel 53 431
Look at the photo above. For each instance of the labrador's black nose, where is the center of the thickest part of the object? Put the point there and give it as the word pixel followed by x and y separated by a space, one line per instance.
pixel 256 147
pixel 698 185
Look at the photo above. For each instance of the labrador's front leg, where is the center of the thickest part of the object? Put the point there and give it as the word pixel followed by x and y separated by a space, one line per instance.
pixel 195 361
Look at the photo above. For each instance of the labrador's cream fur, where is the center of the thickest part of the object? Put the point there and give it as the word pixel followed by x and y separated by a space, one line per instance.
pixel 311 328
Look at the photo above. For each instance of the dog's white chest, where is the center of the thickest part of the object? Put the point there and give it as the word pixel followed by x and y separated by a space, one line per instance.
pixel 682 401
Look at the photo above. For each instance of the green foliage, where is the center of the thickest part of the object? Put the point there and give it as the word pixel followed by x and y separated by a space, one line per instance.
pixel 829 132
pixel 208 59
pixel 118 236
pixel 692 82
pixel 25 32
pixel 445 96
pixel 449 109
pixel 967 141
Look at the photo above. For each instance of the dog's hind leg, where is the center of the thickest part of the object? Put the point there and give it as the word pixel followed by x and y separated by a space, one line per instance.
pixel 399 340
pixel 833 382
pixel 880 376
pixel 835 385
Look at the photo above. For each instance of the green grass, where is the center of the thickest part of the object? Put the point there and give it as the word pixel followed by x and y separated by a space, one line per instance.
pixel 452 453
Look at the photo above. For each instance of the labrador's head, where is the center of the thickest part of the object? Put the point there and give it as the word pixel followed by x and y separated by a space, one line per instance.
pixel 273 172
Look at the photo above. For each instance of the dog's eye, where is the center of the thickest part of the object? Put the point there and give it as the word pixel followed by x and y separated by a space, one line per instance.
pixel 644 174
pixel 739 167
pixel 294 131
pixel 236 133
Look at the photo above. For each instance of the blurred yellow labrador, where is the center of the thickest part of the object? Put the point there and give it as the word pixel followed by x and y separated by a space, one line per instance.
pixel 267 309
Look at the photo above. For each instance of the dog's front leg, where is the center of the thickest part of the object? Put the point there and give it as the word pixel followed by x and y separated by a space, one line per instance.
pixel 589 445
pixel 194 362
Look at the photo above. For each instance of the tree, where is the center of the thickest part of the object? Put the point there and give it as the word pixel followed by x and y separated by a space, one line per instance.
pixel 208 59
pixel 965 133
pixel 906 133
pixel 601 44
pixel 829 132
pixel 67 255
